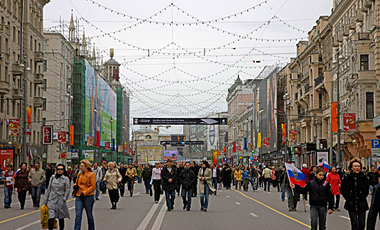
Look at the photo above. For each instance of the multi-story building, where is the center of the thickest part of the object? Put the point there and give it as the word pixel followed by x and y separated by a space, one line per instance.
pixel 21 42
pixel 57 72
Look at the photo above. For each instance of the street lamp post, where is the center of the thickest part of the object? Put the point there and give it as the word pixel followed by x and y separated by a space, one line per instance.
pixel 112 146
pixel 261 136
pixel 95 134
pixel 286 126
pixel 338 155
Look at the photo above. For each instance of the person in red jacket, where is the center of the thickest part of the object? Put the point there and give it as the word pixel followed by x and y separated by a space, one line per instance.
pixel 334 179
pixel 306 171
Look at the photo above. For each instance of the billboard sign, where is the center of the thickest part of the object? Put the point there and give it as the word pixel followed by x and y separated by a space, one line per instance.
pixel 62 137
pixel 6 157
pixel 47 135
pixel 349 121
pixel 14 127
pixel 180 121
pixel 170 154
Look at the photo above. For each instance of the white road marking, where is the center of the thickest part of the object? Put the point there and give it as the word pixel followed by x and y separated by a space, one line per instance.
pixel 345 217
pixel 237 203
pixel 160 218
pixel 228 196
pixel 149 216
pixel 35 222
pixel 253 214
pixel 137 193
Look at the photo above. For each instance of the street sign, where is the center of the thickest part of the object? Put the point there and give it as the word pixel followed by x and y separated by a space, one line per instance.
pixel 375 145
pixel 180 121
pixel 182 143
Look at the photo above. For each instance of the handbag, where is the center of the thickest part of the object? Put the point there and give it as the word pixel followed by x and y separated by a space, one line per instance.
pixel 76 187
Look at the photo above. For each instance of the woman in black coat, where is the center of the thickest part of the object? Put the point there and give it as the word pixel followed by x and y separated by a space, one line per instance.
pixel 355 189
pixel 226 176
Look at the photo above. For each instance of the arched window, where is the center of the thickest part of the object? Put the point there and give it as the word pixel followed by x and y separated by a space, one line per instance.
pixel 148 137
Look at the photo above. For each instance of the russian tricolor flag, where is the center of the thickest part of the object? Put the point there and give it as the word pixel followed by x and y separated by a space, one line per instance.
pixel 295 175
pixel 325 166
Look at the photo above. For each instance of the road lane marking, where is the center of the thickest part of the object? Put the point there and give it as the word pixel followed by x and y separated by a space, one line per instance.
pixel 345 217
pixel 144 223
pixel 253 214
pixel 228 196
pixel 282 214
pixel 160 218
pixel 237 203
pixel 35 222
pixel 26 214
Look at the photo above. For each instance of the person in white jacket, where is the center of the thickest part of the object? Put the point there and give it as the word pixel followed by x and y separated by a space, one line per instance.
pixel 99 175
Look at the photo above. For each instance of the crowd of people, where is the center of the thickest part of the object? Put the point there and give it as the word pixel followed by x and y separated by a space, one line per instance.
pixel 186 179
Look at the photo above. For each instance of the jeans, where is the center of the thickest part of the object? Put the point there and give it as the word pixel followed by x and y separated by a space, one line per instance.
pixel 336 201
pixel 188 201
pixel 254 183
pixel 139 180
pixel 87 204
pixel 371 187
pixel 357 220
pixel 318 214
pixel 267 183
pixel 147 185
pixel 7 196
pixel 170 196
pixel 204 196
pixel 283 192
pixel 122 189
pixel 36 196
pixel 157 189
pixel 214 182
pixel 104 189
pixel 97 191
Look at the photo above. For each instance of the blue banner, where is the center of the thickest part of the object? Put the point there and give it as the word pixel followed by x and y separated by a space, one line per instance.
pixel 245 143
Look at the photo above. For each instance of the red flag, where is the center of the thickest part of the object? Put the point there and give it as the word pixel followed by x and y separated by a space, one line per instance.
pixel 97 139
pixel 233 147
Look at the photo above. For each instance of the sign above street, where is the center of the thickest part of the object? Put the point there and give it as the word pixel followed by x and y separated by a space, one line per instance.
pixel 375 146
pixel 180 121
pixel 182 143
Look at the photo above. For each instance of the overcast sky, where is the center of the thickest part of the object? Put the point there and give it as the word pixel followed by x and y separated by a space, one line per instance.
pixel 185 70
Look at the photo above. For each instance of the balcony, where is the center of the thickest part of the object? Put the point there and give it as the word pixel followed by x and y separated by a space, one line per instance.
pixel 319 80
pixel 16 69
pixel 38 101
pixel 296 77
pixel 38 78
pixel 17 93
pixel 38 56
pixel 307 88
pixel 4 87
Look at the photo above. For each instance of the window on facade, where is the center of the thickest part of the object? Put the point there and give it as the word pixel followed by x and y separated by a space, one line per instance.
pixel 369 105
pixel 320 72
pixel 31 43
pixel 320 100
pixel 44 104
pixel 148 137
pixel 364 63
pixel 44 85
pixel 44 68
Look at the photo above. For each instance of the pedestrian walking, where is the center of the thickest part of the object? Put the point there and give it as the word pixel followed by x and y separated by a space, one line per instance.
pixel 147 176
pixel 254 173
pixel 320 197
pixel 267 175
pixel 56 196
pixel 48 174
pixel 215 177
pixel 373 179
pixel 139 173
pixel 293 194
pixel 238 176
pixel 122 171
pixel 131 174
pixel 374 209
pixel 75 173
pixel 334 179
pixel 69 173
pixel 98 174
pixel 103 184
pixel 306 171
pixel 355 189
pixel 156 182
pixel 7 178
pixel 179 169
pixel 113 178
pixel 283 189
pixel 22 184
pixel 246 178
pixel 195 169
pixel 169 176
pixel 205 186
pixel 187 178
pixel 278 173
pixel 85 186
pixel 36 179
pixel 226 176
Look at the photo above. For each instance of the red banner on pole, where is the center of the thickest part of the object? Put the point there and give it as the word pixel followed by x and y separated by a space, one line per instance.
pixel 267 142
pixel 334 117
pixel 233 147
pixel 107 145
pixel 293 136
pixel 349 121
pixel 62 137
pixel 71 134
pixel 47 135
pixel 6 158
pixel 14 127
pixel 29 121
pixel 97 139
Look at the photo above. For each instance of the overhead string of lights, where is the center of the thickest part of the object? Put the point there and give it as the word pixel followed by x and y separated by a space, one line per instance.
pixel 290 26
pixel 178 23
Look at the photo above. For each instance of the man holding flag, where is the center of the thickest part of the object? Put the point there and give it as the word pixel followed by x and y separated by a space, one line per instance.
pixel 320 195
pixel 293 195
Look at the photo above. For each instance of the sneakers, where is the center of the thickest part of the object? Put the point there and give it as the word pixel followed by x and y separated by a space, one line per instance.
pixel 156 201
pixel 205 210
pixel 202 209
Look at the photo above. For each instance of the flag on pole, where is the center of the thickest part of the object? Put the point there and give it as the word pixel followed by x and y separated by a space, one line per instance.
pixel 325 166
pixel 295 175
pixel 30 155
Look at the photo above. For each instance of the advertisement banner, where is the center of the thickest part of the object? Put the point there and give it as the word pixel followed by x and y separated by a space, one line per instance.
pixel 322 156
pixel 88 155
pixel 267 142
pixel 293 135
pixel 238 148
pixel 120 148
pixel 62 137
pixel 334 117
pixel 71 134
pixel 6 157
pixel 90 141
pixel 29 121
pixel 47 135
pixel 100 107
pixel 107 145
pixel 63 155
pixel 349 121
pixel 14 127
pixel 170 154
pixel 212 142
pixel 74 153
pixel 215 157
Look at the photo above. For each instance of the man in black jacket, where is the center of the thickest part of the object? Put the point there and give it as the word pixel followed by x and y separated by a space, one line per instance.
pixel 375 208
pixel 195 169
pixel 122 171
pixel 169 176
pixel 187 178
pixel 320 195
pixel 147 175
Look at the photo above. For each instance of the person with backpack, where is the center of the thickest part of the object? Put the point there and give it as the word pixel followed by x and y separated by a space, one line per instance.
pixel 321 199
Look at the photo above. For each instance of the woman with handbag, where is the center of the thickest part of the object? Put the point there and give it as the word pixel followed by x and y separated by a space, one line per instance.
pixel 84 188
pixel 56 196
pixel 113 178
pixel 131 174
pixel 22 183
